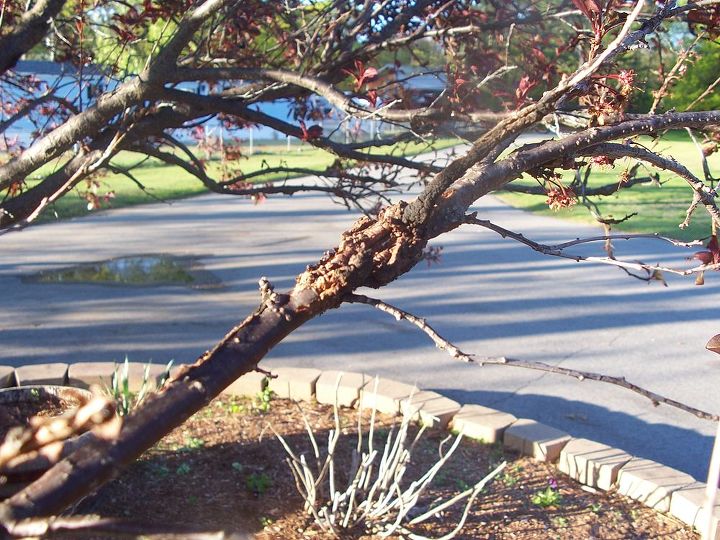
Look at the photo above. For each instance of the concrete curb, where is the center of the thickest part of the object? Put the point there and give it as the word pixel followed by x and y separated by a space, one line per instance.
pixel 588 462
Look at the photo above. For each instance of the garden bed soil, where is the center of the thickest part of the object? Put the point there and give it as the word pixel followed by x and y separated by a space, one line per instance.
pixel 225 470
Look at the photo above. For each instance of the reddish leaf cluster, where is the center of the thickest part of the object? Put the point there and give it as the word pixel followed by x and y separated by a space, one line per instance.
pixel 94 199
pixel 524 86
pixel 242 185
pixel 361 74
pixel 606 102
pixel 712 254
pixel 560 197
pixel 603 161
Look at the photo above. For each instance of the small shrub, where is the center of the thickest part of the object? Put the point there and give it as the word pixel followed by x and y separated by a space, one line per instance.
pixel 182 469
pixel 193 443
pixel 374 499
pixel 509 477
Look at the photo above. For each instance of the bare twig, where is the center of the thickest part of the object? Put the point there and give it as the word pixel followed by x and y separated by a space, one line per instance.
pixel 557 250
pixel 454 351
pixel 709 90
pixel 421 323
pixel 703 158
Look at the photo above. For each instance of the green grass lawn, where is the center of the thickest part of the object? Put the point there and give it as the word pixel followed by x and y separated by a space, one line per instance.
pixel 659 209
pixel 166 182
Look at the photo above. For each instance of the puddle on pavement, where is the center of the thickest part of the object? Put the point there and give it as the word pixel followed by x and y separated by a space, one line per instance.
pixel 136 271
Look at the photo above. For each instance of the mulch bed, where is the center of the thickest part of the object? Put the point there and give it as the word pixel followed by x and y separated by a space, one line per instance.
pixel 225 470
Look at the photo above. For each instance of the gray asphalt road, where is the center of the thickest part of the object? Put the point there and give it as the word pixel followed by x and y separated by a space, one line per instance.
pixel 491 296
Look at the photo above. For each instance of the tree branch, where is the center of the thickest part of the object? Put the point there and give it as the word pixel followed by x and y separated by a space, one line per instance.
pixel 204 105
pixel 31 28
pixel 443 344
pixel 653 271
pixel 484 178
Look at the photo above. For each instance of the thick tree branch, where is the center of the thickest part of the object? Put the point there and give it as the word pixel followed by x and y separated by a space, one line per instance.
pixel 373 252
pixel 31 28
pixel 344 102
pixel 603 191
pixel 484 178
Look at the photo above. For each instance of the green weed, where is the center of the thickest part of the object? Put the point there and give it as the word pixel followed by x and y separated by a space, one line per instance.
pixel 546 498
pixel 263 401
pixel 258 484
pixel 183 469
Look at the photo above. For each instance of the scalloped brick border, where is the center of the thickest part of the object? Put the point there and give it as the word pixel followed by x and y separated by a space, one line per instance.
pixel 590 463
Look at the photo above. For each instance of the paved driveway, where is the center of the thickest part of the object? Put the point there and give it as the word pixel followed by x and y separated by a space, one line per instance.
pixel 489 295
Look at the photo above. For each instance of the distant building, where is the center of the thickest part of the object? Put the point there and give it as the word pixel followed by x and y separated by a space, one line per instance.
pixel 415 86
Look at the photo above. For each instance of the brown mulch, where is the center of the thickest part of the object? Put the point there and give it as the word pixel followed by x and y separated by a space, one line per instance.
pixel 224 469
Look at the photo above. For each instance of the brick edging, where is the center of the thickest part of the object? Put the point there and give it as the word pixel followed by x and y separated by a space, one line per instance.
pixel 590 463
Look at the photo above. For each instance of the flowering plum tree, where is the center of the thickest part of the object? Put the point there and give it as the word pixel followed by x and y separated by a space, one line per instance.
pixel 169 67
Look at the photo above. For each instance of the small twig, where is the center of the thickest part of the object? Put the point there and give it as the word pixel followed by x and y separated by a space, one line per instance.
pixel 611 237
pixel 703 158
pixel 126 172
pixel 705 194
pixel 655 398
pixel 453 350
pixel 709 90
pixel 557 250
pixel 422 324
